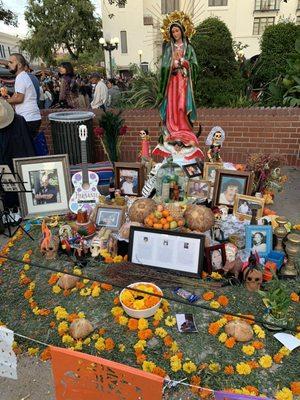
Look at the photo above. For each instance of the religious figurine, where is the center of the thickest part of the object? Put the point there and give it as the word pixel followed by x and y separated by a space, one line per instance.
pixel 215 140
pixel 175 99
pixel 145 153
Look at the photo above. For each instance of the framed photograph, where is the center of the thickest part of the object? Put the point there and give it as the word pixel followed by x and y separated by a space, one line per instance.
pixel 129 178
pixel 48 179
pixel 215 257
pixel 193 170
pixel 230 183
pixel 164 250
pixel 109 216
pixel 210 171
pixel 198 188
pixel 186 323
pixel 259 239
pixel 243 206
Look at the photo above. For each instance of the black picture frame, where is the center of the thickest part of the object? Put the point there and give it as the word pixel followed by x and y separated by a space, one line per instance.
pixel 194 165
pixel 163 237
pixel 208 251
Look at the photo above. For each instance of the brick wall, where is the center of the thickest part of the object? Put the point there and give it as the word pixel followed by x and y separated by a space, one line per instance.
pixel 247 130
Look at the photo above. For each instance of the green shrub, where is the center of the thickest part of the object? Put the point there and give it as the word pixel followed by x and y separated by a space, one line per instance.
pixel 219 82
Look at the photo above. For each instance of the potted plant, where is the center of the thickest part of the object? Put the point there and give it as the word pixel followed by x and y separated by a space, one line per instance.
pixel 277 301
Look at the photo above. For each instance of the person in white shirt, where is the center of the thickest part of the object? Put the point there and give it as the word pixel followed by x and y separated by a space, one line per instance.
pixel 25 97
pixel 100 93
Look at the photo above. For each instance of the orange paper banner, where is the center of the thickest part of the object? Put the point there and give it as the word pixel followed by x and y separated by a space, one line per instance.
pixel 79 376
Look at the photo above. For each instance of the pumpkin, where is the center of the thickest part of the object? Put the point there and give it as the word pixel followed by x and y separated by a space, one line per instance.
pixel 199 218
pixel 125 229
pixel 67 281
pixel 80 328
pixel 140 209
pixel 240 330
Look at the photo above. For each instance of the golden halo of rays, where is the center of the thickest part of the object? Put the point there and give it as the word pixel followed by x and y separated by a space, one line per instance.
pixel 180 17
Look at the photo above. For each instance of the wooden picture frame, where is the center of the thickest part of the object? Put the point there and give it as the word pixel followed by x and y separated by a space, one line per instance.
pixel 109 216
pixel 244 210
pixel 129 178
pixel 47 180
pixel 197 192
pixel 206 171
pixel 182 253
pixel 193 170
pixel 229 183
pixel 264 242
pixel 212 261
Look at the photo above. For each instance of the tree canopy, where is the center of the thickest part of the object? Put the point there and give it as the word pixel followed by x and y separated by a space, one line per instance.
pixel 58 24
pixel 7 16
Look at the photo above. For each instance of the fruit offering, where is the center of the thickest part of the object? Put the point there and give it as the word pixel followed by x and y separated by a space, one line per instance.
pixel 161 218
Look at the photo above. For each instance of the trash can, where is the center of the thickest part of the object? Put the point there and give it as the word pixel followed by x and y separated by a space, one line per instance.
pixel 65 134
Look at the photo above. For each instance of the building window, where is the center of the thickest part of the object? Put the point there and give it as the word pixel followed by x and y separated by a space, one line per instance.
pixel 298 7
pixel 260 24
pixel 298 20
pixel 217 3
pixel 168 6
pixel 9 52
pixel 124 48
pixel 267 5
pixel 145 67
pixel 2 51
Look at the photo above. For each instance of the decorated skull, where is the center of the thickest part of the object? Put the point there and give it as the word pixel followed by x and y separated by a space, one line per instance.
pixel 97 245
pixel 253 278
pixel 224 212
pixel 49 248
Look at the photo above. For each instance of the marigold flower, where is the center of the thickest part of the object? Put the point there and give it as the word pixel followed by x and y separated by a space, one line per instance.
pixel 77 271
pixel 132 324
pixel 102 331
pixel 249 350
pixel 223 300
pixel 100 344
pixel 266 361
pixel 295 388
pixel 161 332
pixel 121 347
pixel 159 371
pixel 140 358
pixel 213 328
pixel 214 304
pixel 96 291
pixel 174 347
pixel 170 321
pixel 87 341
pixel 168 341
pixel 294 297
pixel 117 311
pixel 46 354
pixel 259 331
pixel 67 339
pixel 78 345
pixel 63 327
pixel 229 370
pixel 216 276
pixel 253 364
pixel 32 351
pixel 165 306
pixel 53 279
pixel 175 363
pixel 207 296
pixel 277 358
pixel 106 286
pixel 214 367
pixel 52 324
pixel 189 367
pixel 195 381
pixel 123 320
pixel 109 344
pixel 85 292
pixel 116 301
pixel 28 293
pixel 243 368
pixel 148 366
pixel 223 337
pixel 258 345
pixel 284 394
pixel 145 334
pixel 142 324
pixel 155 323
pixel 284 350
pixel 252 390
pixel 159 314
pixel 230 342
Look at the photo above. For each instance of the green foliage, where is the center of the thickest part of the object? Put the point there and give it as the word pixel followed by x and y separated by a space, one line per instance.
pixel 56 24
pixel 7 16
pixel 143 92
pixel 87 63
pixel 111 140
pixel 219 81
pixel 276 298
pixel 277 45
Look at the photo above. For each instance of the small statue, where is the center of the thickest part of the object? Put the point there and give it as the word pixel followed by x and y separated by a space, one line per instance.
pixel 49 243
pixel 215 140
pixel 145 153
pixel 252 274
pixel 81 249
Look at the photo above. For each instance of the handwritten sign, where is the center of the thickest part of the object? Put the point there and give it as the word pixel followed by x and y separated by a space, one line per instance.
pixel 85 377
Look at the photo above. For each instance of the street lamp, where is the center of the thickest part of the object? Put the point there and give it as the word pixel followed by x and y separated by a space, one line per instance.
pixel 140 53
pixel 110 46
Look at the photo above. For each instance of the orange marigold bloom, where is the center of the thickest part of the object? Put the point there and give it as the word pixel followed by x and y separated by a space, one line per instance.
pixel 102 331
pixel 205 393
pixel 155 323
pixel 230 342
pixel 166 355
pixel 33 304
pixel 159 371
pixel 116 301
pixel 295 388
pixel 168 341
pixel 207 296
pixel 277 358
pixel 109 344
pixel 258 345
pixel 27 294
pixel 229 370
pixel 79 285
pixel 132 324
pixel 180 355
pixel 72 317
pixel 45 312
pixel 223 300
pixel 252 389
pixel 46 354
pixel 52 324
pixel 294 297
pixel 53 279
pixel 25 281
pixel 250 321
pixel 141 358
pixel 229 317
pixel 195 381
pixel 106 286
pixel 145 334
pixel 213 328
pixel 66 292
pixel 253 364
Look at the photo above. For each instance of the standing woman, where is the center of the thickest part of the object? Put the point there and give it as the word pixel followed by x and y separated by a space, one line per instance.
pixel 68 97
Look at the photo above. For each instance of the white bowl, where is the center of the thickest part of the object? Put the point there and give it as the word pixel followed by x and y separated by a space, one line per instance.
pixel 148 312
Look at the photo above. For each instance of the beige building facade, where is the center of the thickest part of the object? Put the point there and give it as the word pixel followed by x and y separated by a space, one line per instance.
pixel 8 44
pixel 137 25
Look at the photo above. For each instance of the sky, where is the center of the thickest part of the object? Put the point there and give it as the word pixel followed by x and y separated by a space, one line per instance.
pixel 18 6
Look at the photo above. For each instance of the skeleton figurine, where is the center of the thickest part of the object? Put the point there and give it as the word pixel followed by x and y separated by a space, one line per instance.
pixel 215 140
pixel 49 243
pixel 150 185
pixel 252 274
pixel 81 249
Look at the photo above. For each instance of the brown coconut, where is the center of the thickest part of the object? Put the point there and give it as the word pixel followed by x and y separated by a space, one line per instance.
pixel 140 209
pixel 80 328
pixel 125 229
pixel 67 281
pixel 199 218
pixel 240 330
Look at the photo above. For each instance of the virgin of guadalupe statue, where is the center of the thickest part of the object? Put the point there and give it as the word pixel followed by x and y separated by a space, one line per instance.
pixel 176 99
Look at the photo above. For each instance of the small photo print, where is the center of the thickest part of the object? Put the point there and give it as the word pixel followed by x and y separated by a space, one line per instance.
pixel 186 323
pixel 258 241
pixel 129 181
pixel 109 219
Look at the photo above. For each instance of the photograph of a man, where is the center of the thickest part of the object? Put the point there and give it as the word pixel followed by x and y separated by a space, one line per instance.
pixel 47 191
